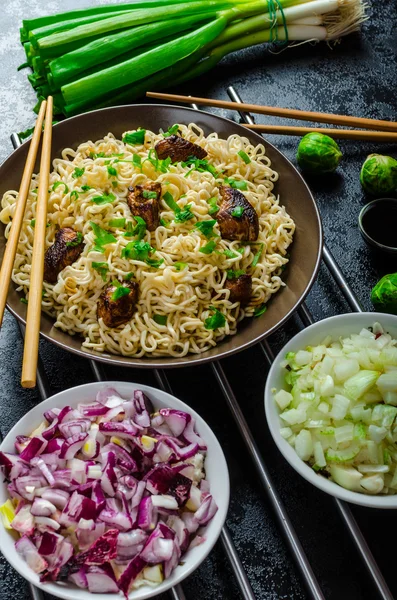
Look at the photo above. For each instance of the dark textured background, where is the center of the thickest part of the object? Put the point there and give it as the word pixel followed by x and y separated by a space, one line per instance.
pixel 355 77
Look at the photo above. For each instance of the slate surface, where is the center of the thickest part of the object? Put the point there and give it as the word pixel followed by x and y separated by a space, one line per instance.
pixel 356 77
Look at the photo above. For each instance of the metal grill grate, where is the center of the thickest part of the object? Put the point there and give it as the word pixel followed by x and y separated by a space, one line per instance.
pixel 290 536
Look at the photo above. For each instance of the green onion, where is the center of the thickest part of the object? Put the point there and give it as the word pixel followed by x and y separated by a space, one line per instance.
pixel 160 165
pixel 180 265
pixel 230 254
pixel 206 228
pixel 78 172
pixel 129 231
pixel 102 268
pixel 163 222
pixel 102 238
pixel 216 321
pixel 234 274
pixel 149 195
pixel 77 241
pixel 135 138
pixel 86 188
pixel 184 214
pixel 129 276
pixel 140 250
pixel 200 165
pixel 160 319
pixel 171 130
pixel 74 195
pixel 140 227
pixel 260 310
pixel 33 223
pixel 120 291
pixel 214 208
pixel 57 184
pixel 169 200
pixel 105 199
pixel 244 156
pixel 117 223
pixel 23 300
pixel 137 161
pixel 208 248
pixel 258 255
pixel 238 184
pixel 112 171
pixel 238 212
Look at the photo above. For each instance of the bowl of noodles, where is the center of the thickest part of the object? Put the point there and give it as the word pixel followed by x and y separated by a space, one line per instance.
pixel 174 236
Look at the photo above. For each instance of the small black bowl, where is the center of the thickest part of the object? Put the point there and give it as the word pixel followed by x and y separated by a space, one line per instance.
pixel 378 224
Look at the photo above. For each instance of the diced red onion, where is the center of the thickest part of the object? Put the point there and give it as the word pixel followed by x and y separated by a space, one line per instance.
pixel 147 515
pixel 43 522
pixel 134 568
pixel 73 427
pixel 92 410
pixel 109 477
pixel 192 437
pixel 176 420
pixel 51 430
pixel 57 497
pixel 24 520
pixel 21 441
pixel 206 511
pixel 28 551
pixel 35 447
pixel 72 445
pixel 79 578
pixel 42 508
pixel 101 580
pixel 109 397
pixel 125 431
pixel 44 469
pixel 55 445
pixel 63 478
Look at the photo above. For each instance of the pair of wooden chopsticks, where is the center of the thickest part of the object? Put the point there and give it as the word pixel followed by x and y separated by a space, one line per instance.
pixel 386 130
pixel 31 347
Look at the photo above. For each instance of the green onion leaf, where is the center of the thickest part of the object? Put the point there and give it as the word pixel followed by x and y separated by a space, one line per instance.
pixel 209 247
pixel 135 138
pixel 213 209
pixel 102 237
pixel 112 171
pixel 206 228
pixel 230 254
pixel 244 156
pixel 184 214
pixel 105 199
pixel 139 229
pixel 33 223
pixel 120 291
pixel 74 195
pixel 129 276
pixel 200 165
pixel 163 222
pixel 86 188
pixel 23 300
pixel 160 319
pixel 154 263
pixel 77 241
pixel 238 184
pixel 129 231
pixel 117 222
pixel 160 165
pixel 102 268
pixel 171 130
pixel 260 310
pixel 25 134
pixel 137 161
pixel 57 184
pixel 78 172
pixel 217 320
pixel 149 195
pixel 169 200
pixel 180 265
pixel 257 255
pixel 234 274
pixel 238 212
pixel 137 250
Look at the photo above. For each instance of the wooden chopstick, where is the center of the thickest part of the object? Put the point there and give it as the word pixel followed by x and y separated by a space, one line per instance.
pixel 343 134
pixel 31 347
pixel 290 113
pixel 15 231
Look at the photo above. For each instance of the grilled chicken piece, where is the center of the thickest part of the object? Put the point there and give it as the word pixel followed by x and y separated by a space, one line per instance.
pixel 240 289
pixel 178 149
pixel 65 251
pixel 143 205
pixel 232 227
pixel 117 312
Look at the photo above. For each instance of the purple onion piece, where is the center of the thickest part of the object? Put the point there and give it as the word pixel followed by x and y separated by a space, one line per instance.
pixel 123 430
pixel 190 435
pixel 21 441
pixel 23 521
pixel 43 469
pixel 130 544
pixel 109 397
pixel 109 477
pixel 101 551
pixel 101 580
pixel 45 523
pixel 63 478
pixel 57 497
pixel 28 551
pixel 50 415
pixel 51 430
pixel 176 420
pixel 73 445
pixel 134 568
pixel 183 453
pixel 173 562
pixel 207 510
pixel 88 532
pixel 98 496
pixel 181 532
pixel 73 427
pixel 143 408
pixel 147 514
pixel 55 446
pixel 79 578
pixel 35 447
pixel 92 410
pixel 121 455
pixel 42 508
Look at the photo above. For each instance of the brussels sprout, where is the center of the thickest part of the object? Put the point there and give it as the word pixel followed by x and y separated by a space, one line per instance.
pixel 318 153
pixel 379 174
pixel 384 294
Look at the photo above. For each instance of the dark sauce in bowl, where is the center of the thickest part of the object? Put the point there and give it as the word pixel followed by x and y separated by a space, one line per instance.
pixel 378 224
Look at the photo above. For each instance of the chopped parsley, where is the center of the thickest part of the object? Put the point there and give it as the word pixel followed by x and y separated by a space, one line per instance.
pixel 74 195
pixel 102 268
pixel 102 238
pixel 160 319
pixel 260 310
pixel 76 241
pixel 171 130
pixel 78 172
pixel 117 222
pixel 206 228
pixel 149 195
pixel 57 184
pixel 230 254
pixel 244 156
pixel 105 199
pixel 111 171
pixel 238 212
pixel 139 229
pixel 238 184
pixel 86 188
pixel 217 320
pixel 209 247
pixel 234 274
pixel 257 255
pixel 180 265
pixel 213 206
pixel 200 165
pixel 135 138
pixel 120 291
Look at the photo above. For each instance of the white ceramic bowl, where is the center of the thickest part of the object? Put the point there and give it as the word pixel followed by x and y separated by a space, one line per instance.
pixel 341 325
pixel 216 473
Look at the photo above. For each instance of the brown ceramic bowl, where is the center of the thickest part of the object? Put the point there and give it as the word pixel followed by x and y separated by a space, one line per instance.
pixel 294 195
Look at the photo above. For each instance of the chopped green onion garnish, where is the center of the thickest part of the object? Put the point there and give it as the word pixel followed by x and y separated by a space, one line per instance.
pixel 217 320
pixel 163 222
pixel 137 250
pixel 140 227
pixel 102 238
pixel 171 130
pixel 117 222
pixel 169 200
pixel 184 214
pixel 120 291
pixel 78 172
pixel 238 212
pixel 129 231
pixel 238 184
pixel 102 268
pixel 57 184
pixel 213 206
pixel 77 241
pixel 160 165
pixel 206 228
pixel 137 161
pixel 160 319
pixel 135 138
pixel 111 171
pixel 209 247
pixel 23 300
pixel 129 276
pixel 234 274
pixel 74 195
pixel 149 195
pixel 180 265
pixel 244 156
pixel 260 310
pixel 230 254
pixel 257 255
pixel 33 223
pixel 200 165
pixel 86 188
pixel 105 199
